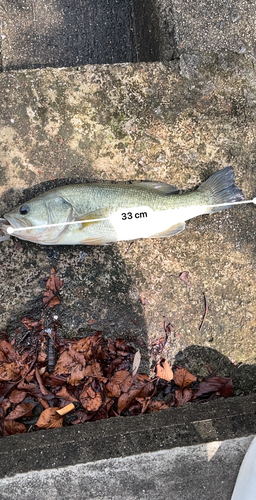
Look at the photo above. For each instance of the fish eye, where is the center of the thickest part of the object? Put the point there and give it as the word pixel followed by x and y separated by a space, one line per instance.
pixel 24 209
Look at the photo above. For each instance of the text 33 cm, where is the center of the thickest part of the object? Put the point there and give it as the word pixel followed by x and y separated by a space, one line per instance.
pixel 137 215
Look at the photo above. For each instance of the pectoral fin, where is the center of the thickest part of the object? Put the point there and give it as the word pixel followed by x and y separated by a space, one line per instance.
pixel 171 231
pixel 92 217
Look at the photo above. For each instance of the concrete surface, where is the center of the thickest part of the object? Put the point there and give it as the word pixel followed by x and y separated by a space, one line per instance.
pixel 125 122
pixel 194 451
pixel 214 26
pixel 177 121
pixel 70 33
pixel 201 472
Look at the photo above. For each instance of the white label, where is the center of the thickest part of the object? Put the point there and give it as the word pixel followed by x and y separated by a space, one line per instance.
pixel 137 222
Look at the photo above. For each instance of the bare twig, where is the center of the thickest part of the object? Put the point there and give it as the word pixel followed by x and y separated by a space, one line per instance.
pixel 135 322
pixel 205 313
pixel 129 247
pixel 212 374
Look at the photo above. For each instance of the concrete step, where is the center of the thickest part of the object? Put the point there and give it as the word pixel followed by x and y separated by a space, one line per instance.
pixel 187 453
pixel 73 32
pixel 61 33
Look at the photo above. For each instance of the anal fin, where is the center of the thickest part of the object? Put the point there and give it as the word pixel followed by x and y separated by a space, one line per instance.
pixel 101 240
pixel 171 231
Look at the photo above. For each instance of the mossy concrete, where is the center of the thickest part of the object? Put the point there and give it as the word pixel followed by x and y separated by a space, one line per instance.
pixel 142 121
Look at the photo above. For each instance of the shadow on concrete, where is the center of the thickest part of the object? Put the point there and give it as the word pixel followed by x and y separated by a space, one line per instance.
pixel 201 361
pixel 98 292
pixel 62 33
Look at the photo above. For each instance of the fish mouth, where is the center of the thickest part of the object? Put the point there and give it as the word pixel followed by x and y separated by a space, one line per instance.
pixel 4 224
pixel 15 222
pixel 10 222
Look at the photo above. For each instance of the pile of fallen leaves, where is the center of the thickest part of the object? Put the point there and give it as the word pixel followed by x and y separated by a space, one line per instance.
pixel 55 382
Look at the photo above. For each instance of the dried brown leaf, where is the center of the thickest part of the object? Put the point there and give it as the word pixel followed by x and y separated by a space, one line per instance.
pixel 163 370
pixel 90 399
pixel 223 385
pixel 183 396
pixel 122 348
pixel 11 427
pixel 184 277
pixel 30 388
pixel 9 371
pixel 63 393
pixel 183 377
pixel 30 376
pixel 126 398
pixel 2 357
pixel 156 406
pixel 64 364
pixel 77 373
pixel 44 403
pixel 83 344
pixel 226 389
pixel 5 405
pixel 135 408
pixel 157 346
pixel 8 350
pixel 54 283
pixel 29 323
pixel 20 410
pixel 136 363
pixel 17 396
pixel 77 356
pixel 113 388
pixel 120 382
pixel 144 403
pixel 43 389
pixel 49 419
pixel 5 387
pixel 42 357
pixel 94 370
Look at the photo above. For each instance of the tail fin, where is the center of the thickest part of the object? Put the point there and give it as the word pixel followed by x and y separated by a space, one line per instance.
pixel 220 188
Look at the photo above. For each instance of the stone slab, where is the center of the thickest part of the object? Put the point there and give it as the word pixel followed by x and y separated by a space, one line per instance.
pixel 205 472
pixel 190 452
pixel 189 425
pixel 214 26
pixel 125 122
pixel 60 33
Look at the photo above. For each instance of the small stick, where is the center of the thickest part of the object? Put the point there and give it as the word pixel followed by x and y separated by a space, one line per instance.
pixel 216 370
pixel 66 409
pixel 135 322
pixel 129 247
pixel 205 313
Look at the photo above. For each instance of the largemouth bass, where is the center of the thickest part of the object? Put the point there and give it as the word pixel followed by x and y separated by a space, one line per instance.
pixel 97 214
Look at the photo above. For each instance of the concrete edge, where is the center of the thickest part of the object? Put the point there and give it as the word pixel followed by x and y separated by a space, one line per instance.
pixel 139 476
pixel 119 437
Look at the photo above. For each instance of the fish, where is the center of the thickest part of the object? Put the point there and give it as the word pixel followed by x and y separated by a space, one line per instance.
pixel 103 213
